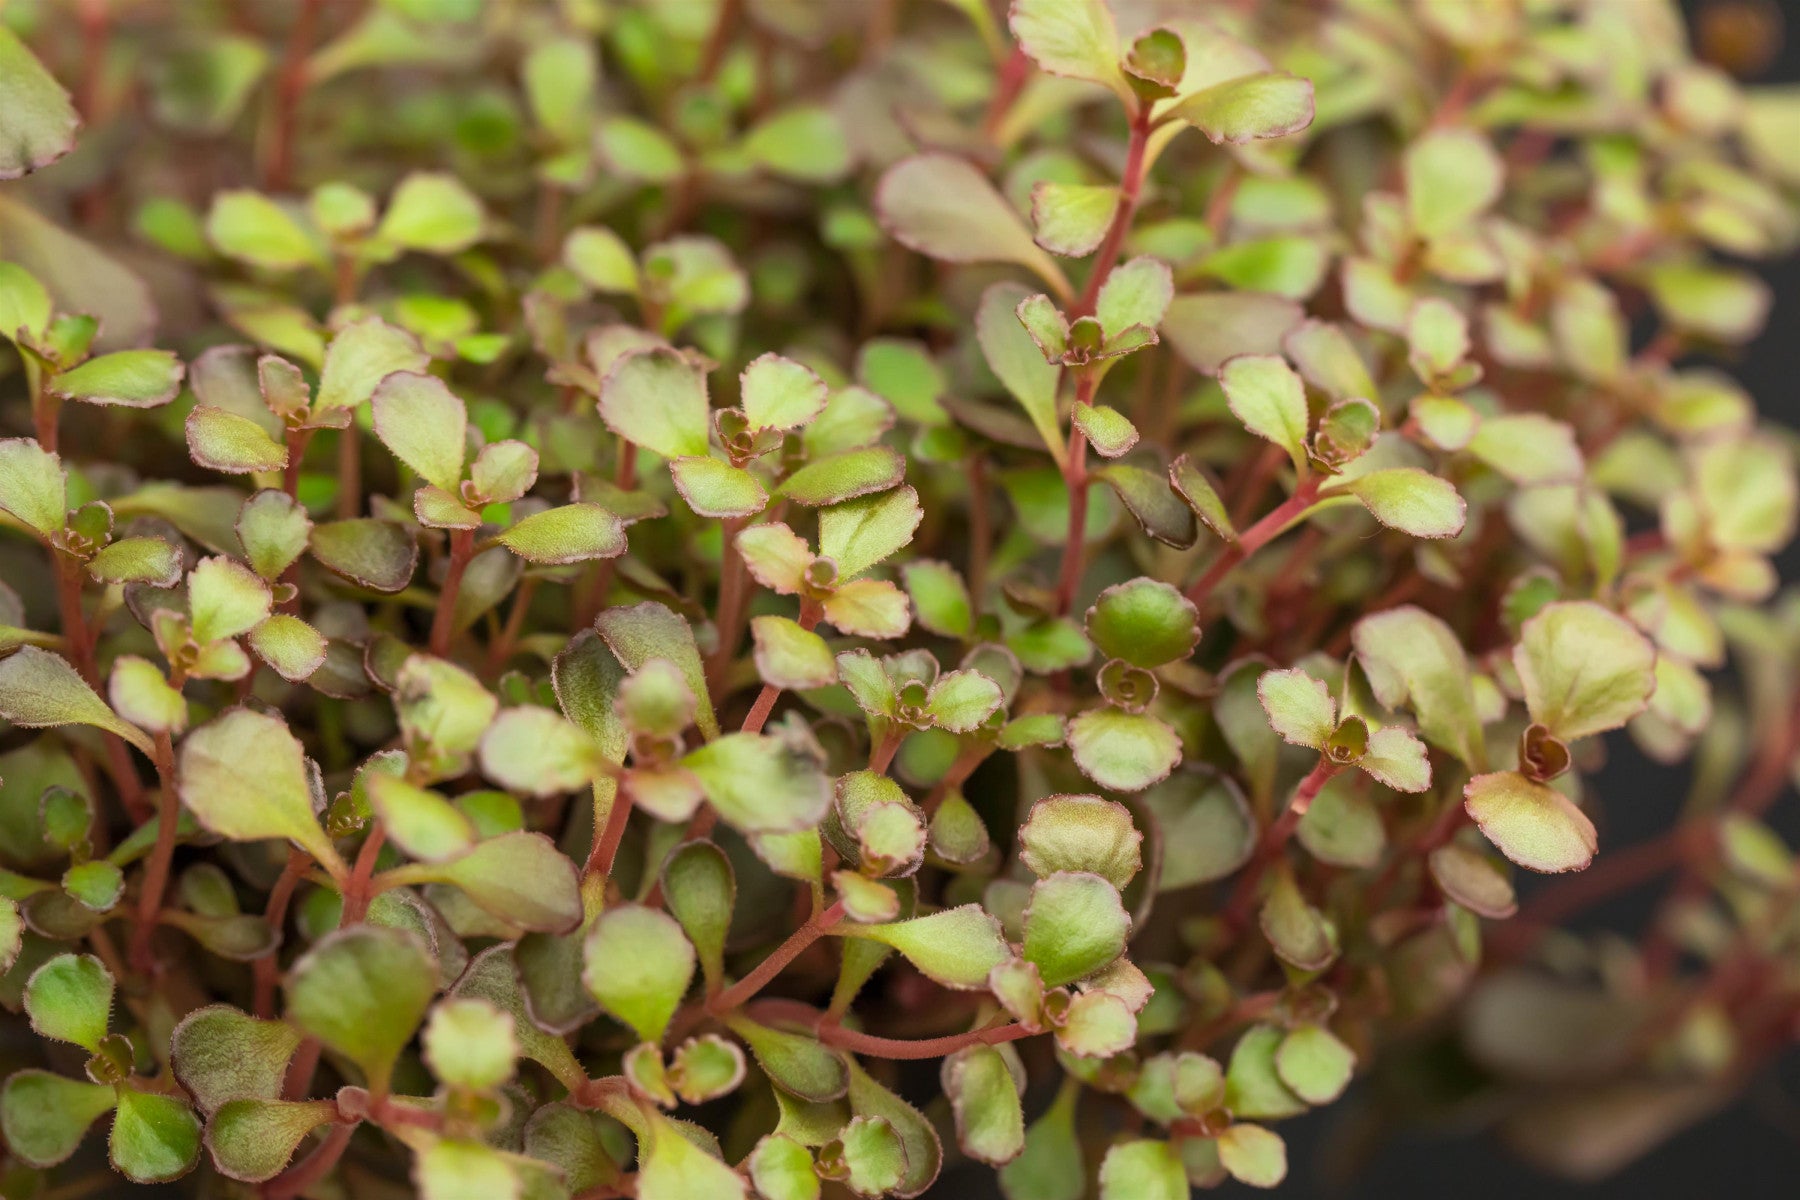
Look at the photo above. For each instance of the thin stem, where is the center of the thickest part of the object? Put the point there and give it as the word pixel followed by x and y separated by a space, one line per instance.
pixel 462 547
pixel 1237 912
pixel 46 408
pixel 1131 185
pixel 1013 74
pixel 503 645
pixel 608 836
pixel 908 1048
pixel 1255 538
pixel 714 55
pixel 357 890
pixel 738 993
pixel 156 869
pixel 266 969
pixel 1075 479
pixel 731 603
pixel 882 753
pixel 314 1167
pixel 290 87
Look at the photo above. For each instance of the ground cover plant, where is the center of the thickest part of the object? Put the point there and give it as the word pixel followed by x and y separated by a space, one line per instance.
pixel 782 598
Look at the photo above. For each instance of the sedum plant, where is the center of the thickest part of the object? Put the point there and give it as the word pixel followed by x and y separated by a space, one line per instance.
pixel 747 599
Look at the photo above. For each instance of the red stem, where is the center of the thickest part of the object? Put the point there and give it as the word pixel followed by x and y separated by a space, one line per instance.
pixel 1255 538
pixel 289 88
pixel 1013 74
pixel 738 993
pixel 314 1167
pixel 267 968
pixel 1131 184
pixel 1075 479
pixel 1237 912
pixel 356 892
pixel 883 751
pixel 938 1047
pixel 462 546
pixel 607 837
pixel 156 869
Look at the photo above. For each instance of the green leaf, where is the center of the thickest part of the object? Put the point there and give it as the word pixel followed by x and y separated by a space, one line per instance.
pixel 670 1167
pixel 1126 752
pixel 40 122
pixel 32 485
pixel 24 304
pixel 470 1043
pixel 800 1064
pixel 782 1169
pixel 701 890
pixel 1412 658
pixel 39 689
pixel 656 398
pixel 941 206
pixel 1142 1170
pixel 1151 502
pixel 805 142
pixel 956 947
pixel 845 476
pixel 790 657
pixel 779 393
pixel 220 1054
pixel 69 999
pixel 432 212
pixel 861 533
pixel 1412 501
pixel 1072 38
pixel 519 877
pixel 1453 175
pixel 254 1139
pixel 363 991
pixel 1072 218
pixel 273 529
pixel 1018 363
pixel 1050 1168
pixel 224 441
pixel 1746 491
pixel 142 696
pixel 1146 622
pixel 1075 924
pixel 379 555
pixel 155 1138
pixel 924 1153
pixel 361 355
pixel 760 784
pixel 292 647
pixel 420 822
pixel 960 701
pixel 1584 669
pixel 1536 826
pixel 254 229
pixel 867 1155
pixel 1300 707
pixel 638 964
pixel 572 533
pixel 1397 758
pixel 1253 1155
pixel 715 488
pixel 130 378
pixel 1723 305
pixel 532 750
pixel 705 1068
pixel 1136 293
pixel 245 777
pixel 1528 448
pixel 1314 1064
pixel 1081 833
pixel 1252 1086
pixel 984 1096
pixel 940 597
pixel 639 150
pixel 1269 398
pixel 1264 105
pixel 424 425
pixel 1298 932
pixel 1473 880
pixel 225 599
pixel 602 260
pixel 45 1116
pixel 648 631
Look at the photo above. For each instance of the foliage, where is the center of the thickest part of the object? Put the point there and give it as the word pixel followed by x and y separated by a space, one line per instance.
pixel 586 580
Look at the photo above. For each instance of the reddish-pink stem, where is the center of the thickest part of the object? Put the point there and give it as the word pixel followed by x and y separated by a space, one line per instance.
pixel 462 546
pixel 738 993
pixel 1255 538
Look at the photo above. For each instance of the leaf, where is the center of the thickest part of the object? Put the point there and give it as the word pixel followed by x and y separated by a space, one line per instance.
pixel 845 476
pixel 940 206
pixel 24 304
pixel 638 964
pixel 360 356
pixel 1412 501
pixel 779 393
pixel 602 260
pixel 1072 38
pixel 805 142
pixel 1107 430
pixel 39 689
pixel 1126 752
pixel 420 822
pixel 40 122
pixel 715 488
pixel 860 533
pixel 1081 833
pixel 253 1139
pixel 155 1138
pixel 1072 218
pixel 1209 328
pixel 378 555
pixel 1050 1168
pixel 432 212
pixel 924 1153
pixel 572 533
pixel 1584 669
pixel 1075 924
pixel 220 1054
pixel 1250 107
pixel 656 398
pixel 984 1096
pixel 1017 362
pixel 223 441
pixel 780 1168
pixel 519 877
pixel 45 1116
pixel 1412 658
pixel 1268 397
pixel 1152 502
pixel 939 597
pixel 1314 1064
pixel 363 991
pixel 801 1065
pixel 701 889
pixel 225 599
pixel 292 647
pixel 760 784
pixel 956 947
pixel 790 657
pixel 254 229
pixel 1253 1155
pixel 469 1043
pixel 1528 448
pixel 129 378
pixel 244 777
pixel 1453 175
pixel 670 1167
pixel 1397 758
pixel 1136 293
pixel 1471 879
pixel 649 631
pixel 1300 707
pixel 69 999
pixel 424 425
pixel 961 701
pixel 1536 826
pixel 32 485
pixel 1145 622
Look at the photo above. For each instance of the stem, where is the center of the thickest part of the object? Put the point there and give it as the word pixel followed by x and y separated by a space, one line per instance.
pixel 735 996
pixel 1013 74
pixel 608 836
pixel 314 1167
pixel 1075 479
pixel 156 870
pixel 719 41
pixel 356 892
pixel 289 88
pixel 759 712
pixel 267 968
pixel 1237 912
pixel 1131 184
pixel 907 1048
pixel 1255 538
pixel 45 409
pixel 296 450
pixel 462 546
pixel 503 645
pixel 731 602
pixel 882 753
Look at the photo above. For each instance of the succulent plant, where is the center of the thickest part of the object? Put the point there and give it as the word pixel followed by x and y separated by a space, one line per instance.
pixel 585 582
